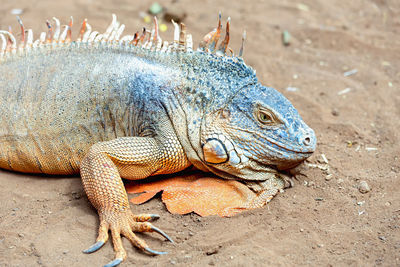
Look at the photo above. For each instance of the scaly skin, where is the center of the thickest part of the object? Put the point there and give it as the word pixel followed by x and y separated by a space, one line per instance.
pixel 112 109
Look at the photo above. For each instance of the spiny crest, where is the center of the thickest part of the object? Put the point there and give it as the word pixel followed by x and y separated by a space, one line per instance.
pixel 58 37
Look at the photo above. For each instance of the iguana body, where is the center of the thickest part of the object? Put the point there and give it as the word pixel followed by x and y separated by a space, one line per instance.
pixel 62 106
pixel 113 109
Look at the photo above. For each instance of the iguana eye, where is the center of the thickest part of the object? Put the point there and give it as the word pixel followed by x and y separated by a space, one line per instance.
pixel 265 116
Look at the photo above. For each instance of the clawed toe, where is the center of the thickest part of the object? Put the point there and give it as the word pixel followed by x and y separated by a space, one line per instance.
pixel 114 262
pixel 153 252
pixel 146 217
pixel 94 247
pixel 126 224
pixel 161 232
pixel 154 217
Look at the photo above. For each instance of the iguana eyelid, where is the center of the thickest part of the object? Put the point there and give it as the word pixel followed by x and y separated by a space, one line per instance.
pixel 262 110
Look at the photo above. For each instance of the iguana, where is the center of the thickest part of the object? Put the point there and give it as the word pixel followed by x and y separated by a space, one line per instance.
pixel 134 106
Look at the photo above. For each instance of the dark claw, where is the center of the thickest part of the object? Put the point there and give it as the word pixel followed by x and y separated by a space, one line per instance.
pixel 94 247
pixel 154 217
pixel 155 229
pixel 153 252
pixel 114 263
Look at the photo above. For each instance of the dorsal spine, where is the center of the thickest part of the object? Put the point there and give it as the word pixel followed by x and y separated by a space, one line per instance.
pixel 150 40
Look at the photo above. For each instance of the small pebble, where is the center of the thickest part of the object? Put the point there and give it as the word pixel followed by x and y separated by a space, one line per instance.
pixel 324 159
pixel 350 72
pixel 328 177
pixel 17 11
pixel 303 7
pixel 344 91
pixel 147 19
pixel 381 237
pixel 155 8
pixel 286 38
pixel 292 89
pixel 163 27
pixel 335 112
pixel 360 203
pixel 349 143
pixel 191 234
pixel 301 230
pixel 363 187
pixel 21 235
pixel 212 251
pixel 172 262
pixel 319 199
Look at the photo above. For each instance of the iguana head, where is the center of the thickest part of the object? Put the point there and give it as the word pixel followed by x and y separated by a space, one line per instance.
pixel 257 131
pixel 235 127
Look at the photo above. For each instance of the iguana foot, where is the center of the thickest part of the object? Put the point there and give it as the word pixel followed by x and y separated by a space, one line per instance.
pixel 101 171
pixel 126 224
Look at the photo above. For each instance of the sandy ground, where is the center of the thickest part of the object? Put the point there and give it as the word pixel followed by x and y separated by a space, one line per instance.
pixel 324 220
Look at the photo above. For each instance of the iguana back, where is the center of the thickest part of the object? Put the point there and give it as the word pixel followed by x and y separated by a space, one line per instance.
pixel 56 103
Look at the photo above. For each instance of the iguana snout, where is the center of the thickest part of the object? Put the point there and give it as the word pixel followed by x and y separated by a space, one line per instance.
pixel 258 132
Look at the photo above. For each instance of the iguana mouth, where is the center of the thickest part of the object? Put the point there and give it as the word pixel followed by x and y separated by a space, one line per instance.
pixel 276 165
pixel 296 151
pixel 251 170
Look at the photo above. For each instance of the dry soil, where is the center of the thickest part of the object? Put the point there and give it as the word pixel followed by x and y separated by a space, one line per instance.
pixel 324 219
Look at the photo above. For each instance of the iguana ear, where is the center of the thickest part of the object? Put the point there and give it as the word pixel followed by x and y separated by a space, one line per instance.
pixel 214 151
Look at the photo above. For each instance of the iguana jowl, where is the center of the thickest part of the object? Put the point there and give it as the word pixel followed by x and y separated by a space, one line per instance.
pixel 132 107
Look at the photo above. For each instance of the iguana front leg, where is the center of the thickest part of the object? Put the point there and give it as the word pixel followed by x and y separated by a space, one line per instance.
pixel 131 158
